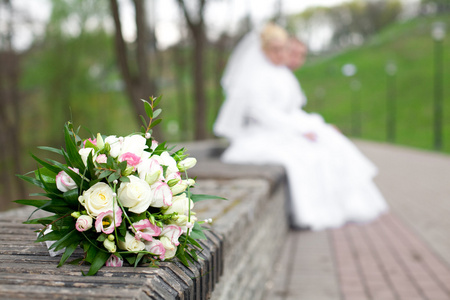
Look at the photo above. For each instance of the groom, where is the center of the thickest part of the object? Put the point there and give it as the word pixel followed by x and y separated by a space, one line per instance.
pixel 295 58
pixel 296 54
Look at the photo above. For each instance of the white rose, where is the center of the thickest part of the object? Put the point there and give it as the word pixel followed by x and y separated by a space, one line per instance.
pixel 180 205
pixel 135 144
pixel 84 152
pixel 64 182
pixel 97 199
pixel 131 244
pixel 136 194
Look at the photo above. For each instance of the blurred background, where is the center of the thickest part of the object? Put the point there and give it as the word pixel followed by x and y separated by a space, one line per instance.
pixel 378 69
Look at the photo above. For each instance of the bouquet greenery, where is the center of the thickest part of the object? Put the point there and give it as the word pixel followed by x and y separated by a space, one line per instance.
pixel 119 198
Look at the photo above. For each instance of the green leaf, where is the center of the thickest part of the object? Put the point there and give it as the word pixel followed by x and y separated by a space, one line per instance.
pixel 57 206
pixel 193 253
pixel 155 122
pixel 113 177
pixel 70 238
pixel 76 261
pixel 181 254
pixel 91 252
pixel 200 197
pixel 124 179
pixel 51 149
pixel 102 237
pixel 198 235
pixel 43 221
pixel 131 259
pixel 105 173
pixel 123 229
pixel 48 186
pixel 99 261
pixel 69 250
pixel 47 175
pixel 32 181
pixel 144 123
pixel 32 202
pixel 90 166
pixel 157 112
pixel 72 151
pixel 50 167
pixel 138 259
pixel 123 165
pixel 148 109
pixel 71 197
pixel 156 101
pixel 51 236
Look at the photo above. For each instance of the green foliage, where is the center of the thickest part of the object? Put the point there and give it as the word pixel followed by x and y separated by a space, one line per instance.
pixel 409 45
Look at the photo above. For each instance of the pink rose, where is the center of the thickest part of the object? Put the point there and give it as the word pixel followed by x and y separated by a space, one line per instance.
pixel 64 182
pixel 156 247
pixel 172 232
pixel 106 223
pixel 145 230
pixel 84 222
pixel 162 195
pixel 132 159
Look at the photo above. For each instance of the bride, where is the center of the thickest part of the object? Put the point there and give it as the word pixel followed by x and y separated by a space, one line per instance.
pixel 330 181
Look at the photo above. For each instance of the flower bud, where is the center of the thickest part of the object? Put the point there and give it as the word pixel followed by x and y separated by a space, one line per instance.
pixel 76 214
pixel 128 171
pixel 109 245
pixel 179 188
pixel 152 178
pixel 172 182
pixel 107 147
pixel 186 164
pixel 190 182
pixel 111 237
pixel 100 142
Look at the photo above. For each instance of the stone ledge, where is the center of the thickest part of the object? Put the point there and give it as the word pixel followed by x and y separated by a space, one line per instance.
pixel 237 257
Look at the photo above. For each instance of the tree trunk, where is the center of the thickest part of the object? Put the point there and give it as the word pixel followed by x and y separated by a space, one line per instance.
pixel 10 127
pixel 201 131
pixel 197 29
pixel 138 86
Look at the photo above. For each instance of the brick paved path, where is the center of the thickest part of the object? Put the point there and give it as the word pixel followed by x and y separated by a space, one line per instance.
pixel 404 255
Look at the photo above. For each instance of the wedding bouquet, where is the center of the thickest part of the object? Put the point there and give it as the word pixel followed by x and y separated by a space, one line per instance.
pixel 119 198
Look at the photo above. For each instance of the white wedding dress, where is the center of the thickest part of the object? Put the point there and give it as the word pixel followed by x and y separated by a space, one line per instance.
pixel 330 181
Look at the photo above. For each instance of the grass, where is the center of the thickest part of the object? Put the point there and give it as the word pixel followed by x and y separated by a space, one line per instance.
pixel 409 45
